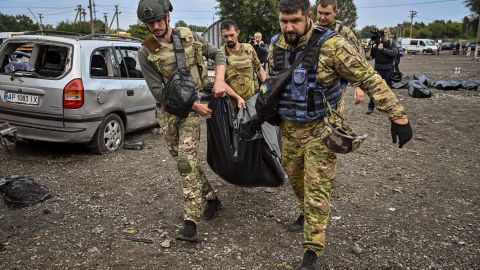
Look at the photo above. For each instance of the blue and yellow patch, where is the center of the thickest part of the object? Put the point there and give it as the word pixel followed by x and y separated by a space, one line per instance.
pixel 264 88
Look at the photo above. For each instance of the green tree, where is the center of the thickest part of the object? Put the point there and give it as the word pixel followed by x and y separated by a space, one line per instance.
pixel 139 30
pixel 264 19
pixel 17 23
pixel 366 31
pixel 347 13
pixel 197 28
pixel 474 6
pixel 81 27
pixel 181 24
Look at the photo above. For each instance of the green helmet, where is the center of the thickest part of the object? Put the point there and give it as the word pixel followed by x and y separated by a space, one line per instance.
pixel 152 10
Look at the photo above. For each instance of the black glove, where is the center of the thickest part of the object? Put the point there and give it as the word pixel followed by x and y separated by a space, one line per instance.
pixel 404 133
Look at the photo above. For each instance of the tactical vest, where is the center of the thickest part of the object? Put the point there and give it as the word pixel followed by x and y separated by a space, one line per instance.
pixel 240 71
pixel 302 99
pixel 162 55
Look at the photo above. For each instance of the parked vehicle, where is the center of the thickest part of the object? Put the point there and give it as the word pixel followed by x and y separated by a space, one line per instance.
pixel 447 46
pixel 424 46
pixel 472 44
pixel 74 89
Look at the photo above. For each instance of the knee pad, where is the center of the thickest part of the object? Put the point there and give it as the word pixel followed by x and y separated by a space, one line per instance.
pixel 183 164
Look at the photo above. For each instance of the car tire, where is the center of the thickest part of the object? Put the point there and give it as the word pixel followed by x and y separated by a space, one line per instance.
pixel 109 135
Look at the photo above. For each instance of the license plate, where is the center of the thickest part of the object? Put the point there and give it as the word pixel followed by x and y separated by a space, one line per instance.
pixel 21 98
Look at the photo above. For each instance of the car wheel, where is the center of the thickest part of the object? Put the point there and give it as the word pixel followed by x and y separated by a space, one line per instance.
pixel 109 135
pixel 424 52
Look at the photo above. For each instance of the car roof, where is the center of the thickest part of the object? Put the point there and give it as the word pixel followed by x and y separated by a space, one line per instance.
pixel 75 38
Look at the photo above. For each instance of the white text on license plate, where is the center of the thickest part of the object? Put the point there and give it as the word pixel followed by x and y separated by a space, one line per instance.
pixel 21 98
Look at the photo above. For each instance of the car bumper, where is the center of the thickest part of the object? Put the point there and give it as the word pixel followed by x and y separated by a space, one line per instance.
pixel 76 133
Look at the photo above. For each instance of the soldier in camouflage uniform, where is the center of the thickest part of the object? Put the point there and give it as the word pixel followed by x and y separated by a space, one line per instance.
pixel 326 13
pixel 243 65
pixel 309 164
pixel 158 63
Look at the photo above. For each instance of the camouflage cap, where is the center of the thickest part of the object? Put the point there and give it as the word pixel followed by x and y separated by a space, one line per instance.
pixel 340 140
pixel 152 10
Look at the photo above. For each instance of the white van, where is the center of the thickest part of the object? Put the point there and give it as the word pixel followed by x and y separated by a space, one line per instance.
pixel 415 45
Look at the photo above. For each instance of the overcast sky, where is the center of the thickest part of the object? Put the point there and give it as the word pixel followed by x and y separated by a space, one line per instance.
pixel 202 12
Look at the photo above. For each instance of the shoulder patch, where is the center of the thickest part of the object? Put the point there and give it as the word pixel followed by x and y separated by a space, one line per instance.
pixel 151 44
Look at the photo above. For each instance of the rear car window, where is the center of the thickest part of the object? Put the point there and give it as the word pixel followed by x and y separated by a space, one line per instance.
pixel 128 62
pixel 35 59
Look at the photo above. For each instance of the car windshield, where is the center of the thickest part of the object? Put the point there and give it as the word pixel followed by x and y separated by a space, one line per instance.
pixel 429 43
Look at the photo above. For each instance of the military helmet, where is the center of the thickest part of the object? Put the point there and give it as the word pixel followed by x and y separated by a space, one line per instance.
pixel 341 140
pixel 152 10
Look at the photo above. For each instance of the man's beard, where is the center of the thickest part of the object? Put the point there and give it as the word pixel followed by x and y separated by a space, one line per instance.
pixel 231 44
pixel 295 41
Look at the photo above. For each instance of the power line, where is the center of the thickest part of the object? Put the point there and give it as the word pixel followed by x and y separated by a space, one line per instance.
pixel 409 4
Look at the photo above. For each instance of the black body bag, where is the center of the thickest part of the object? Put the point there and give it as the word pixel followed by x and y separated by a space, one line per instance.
pixel 179 93
pixel 241 159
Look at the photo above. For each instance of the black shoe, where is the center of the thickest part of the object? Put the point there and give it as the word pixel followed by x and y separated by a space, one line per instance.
pixel 369 111
pixel 309 261
pixel 188 232
pixel 211 208
pixel 297 225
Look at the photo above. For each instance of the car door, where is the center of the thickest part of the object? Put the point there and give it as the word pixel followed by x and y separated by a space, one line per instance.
pixel 138 103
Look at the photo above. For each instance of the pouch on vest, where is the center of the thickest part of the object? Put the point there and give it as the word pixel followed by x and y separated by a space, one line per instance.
pixel 270 90
pixel 179 93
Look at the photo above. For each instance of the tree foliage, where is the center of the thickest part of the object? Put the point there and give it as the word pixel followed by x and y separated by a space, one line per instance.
pixel 139 30
pixel 17 23
pixel 474 6
pixel 81 27
pixel 251 16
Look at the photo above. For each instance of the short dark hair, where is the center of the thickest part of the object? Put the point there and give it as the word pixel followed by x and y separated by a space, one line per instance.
pixel 227 24
pixel 326 3
pixel 292 6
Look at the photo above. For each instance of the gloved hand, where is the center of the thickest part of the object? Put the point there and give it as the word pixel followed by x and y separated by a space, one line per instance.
pixel 404 133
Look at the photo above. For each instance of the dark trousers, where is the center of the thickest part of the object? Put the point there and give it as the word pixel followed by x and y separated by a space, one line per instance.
pixel 386 75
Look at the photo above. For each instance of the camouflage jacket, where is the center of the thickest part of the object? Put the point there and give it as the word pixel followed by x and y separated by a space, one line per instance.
pixel 345 32
pixel 158 63
pixel 340 59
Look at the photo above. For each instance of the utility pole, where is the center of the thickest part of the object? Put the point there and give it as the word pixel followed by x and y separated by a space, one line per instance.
pixel 118 24
pixel 92 25
pixel 106 22
pixel 79 12
pixel 84 13
pixel 40 17
pixel 413 13
pixel 94 11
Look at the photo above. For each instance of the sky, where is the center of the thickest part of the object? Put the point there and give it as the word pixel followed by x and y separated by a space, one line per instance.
pixel 202 12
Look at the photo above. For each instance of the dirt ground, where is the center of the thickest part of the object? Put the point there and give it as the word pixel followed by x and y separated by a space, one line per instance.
pixel 411 208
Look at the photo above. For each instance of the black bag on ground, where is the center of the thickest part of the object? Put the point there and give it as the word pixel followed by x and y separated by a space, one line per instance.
pixel 423 79
pixel 241 158
pixel 448 85
pixel 23 191
pixel 471 84
pixel 417 89
pixel 403 83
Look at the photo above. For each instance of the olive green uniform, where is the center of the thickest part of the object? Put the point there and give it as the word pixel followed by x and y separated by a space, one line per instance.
pixel 241 70
pixel 309 164
pixel 158 63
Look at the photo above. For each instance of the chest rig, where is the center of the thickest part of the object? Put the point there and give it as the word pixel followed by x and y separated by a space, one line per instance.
pixel 303 99
pixel 240 71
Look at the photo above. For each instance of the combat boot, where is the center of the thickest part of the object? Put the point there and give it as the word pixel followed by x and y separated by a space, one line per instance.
pixel 369 111
pixel 211 208
pixel 297 225
pixel 188 232
pixel 309 261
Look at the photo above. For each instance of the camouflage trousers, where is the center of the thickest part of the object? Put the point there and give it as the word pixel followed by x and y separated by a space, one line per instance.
pixel 310 167
pixel 183 139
